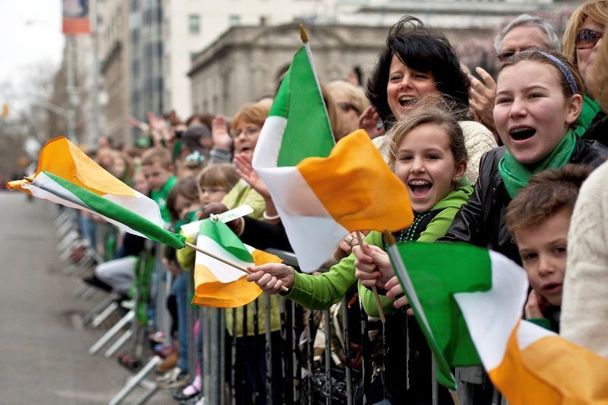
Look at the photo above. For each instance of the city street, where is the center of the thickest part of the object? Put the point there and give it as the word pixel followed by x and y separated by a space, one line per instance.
pixel 43 345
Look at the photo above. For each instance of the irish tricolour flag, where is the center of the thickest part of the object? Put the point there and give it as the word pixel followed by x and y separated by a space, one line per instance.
pixel 67 176
pixel 218 284
pixel 323 190
pixel 468 302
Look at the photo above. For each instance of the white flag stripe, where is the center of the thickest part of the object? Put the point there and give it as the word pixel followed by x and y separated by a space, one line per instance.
pixel 492 315
pixel 528 333
pixel 269 143
pixel 141 205
pixel 223 272
pixel 42 183
pixel 312 231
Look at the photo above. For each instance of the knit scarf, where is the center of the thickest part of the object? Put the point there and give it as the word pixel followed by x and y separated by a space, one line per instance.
pixel 516 175
pixel 588 112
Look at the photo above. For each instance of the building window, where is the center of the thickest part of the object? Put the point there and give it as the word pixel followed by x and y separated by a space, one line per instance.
pixel 234 20
pixel 194 24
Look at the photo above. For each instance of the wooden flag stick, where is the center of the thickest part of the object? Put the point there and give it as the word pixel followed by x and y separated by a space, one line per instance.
pixel 226 261
pixel 454 395
pixel 374 289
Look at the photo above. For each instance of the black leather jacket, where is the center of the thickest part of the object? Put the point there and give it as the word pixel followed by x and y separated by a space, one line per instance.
pixel 481 220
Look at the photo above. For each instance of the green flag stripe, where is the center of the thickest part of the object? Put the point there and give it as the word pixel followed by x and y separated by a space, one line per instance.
pixel 223 236
pixel 439 270
pixel 116 212
pixel 444 373
pixel 280 105
pixel 308 133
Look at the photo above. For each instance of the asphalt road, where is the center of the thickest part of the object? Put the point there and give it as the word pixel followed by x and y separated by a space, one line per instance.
pixel 43 347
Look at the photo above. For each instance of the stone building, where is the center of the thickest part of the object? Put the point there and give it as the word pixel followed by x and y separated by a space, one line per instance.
pixel 244 63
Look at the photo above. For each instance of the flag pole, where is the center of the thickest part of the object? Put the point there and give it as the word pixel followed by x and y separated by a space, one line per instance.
pixel 225 261
pixel 399 268
pixel 374 288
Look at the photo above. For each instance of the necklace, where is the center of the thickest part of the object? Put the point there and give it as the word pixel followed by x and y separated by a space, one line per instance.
pixel 407 235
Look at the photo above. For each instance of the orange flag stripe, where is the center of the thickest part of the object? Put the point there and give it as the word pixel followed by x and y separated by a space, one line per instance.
pixel 343 187
pixel 62 158
pixel 551 370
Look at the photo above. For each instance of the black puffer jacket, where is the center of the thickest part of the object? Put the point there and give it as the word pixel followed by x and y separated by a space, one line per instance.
pixel 481 221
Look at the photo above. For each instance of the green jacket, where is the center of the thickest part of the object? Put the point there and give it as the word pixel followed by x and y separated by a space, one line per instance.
pixel 160 198
pixel 322 291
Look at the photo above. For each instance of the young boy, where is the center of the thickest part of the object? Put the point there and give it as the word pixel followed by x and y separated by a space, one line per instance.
pixel 539 219
pixel 157 168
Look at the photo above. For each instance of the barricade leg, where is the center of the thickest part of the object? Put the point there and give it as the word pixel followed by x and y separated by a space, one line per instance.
pixel 135 381
pixel 113 331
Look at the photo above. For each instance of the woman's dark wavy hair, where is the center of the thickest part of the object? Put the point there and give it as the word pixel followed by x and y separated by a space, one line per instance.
pixel 423 50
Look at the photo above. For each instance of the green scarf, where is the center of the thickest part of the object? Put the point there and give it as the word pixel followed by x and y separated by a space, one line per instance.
pixel 588 112
pixel 516 175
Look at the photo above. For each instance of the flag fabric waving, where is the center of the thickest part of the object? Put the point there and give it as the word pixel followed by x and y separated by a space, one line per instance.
pixel 67 176
pixel 469 301
pixel 323 191
pixel 218 284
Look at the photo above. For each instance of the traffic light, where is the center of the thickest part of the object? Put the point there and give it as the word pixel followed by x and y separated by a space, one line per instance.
pixel 5 111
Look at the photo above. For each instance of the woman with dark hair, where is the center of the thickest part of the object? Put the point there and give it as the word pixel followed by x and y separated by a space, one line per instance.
pixel 418 62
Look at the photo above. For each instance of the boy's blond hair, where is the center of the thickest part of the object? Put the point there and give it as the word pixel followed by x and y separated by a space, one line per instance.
pixel 157 155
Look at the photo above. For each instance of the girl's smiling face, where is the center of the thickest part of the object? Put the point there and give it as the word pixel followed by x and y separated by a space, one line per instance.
pixel 425 164
pixel 531 113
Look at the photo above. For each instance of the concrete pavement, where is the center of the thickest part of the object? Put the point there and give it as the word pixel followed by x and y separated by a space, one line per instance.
pixel 43 349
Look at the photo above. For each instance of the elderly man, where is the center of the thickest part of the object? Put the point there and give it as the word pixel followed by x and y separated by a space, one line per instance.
pixel 524 32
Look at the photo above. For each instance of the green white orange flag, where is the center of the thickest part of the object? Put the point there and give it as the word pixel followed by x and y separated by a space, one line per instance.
pixel 468 302
pixel 323 191
pixel 218 284
pixel 67 176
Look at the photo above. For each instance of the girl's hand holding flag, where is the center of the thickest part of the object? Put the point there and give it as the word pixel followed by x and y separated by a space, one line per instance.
pixel 372 266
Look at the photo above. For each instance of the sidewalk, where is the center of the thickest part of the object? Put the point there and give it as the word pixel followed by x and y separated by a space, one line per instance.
pixel 43 347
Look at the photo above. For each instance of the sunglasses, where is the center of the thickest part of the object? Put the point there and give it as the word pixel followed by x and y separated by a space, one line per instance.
pixel 587 38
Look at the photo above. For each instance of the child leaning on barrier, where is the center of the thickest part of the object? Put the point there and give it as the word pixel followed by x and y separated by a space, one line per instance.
pixel 539 219
pixel 429 156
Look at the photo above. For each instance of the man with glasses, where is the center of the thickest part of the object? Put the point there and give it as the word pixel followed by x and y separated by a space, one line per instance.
pixel 523 32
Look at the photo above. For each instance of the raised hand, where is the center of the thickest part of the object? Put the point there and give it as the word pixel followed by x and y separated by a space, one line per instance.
pixel 481 98
pixel 247 173
pixel 219 133
pixel 369 122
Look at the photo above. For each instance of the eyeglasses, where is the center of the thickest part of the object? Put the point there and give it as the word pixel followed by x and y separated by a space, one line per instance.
pixel 247 131
pixel 587 38
pixel 346 107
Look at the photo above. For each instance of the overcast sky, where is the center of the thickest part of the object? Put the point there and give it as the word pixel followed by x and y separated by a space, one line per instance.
pixel 30 33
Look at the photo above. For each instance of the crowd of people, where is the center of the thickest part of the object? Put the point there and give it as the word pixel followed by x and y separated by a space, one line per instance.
pixel 506 162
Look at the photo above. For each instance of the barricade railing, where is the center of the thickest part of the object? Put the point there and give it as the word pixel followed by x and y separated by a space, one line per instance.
pixel 303 379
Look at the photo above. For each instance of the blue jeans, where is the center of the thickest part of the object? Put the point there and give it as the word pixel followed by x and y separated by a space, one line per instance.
pixel 179 289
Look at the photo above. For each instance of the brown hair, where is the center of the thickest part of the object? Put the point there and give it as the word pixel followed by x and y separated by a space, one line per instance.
pixel 547 193
pixel 220 175
pixel 254 113
pixel 185 187
pixel 548 58
pixel 157 155
pixel 429 110
pixel 597 10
